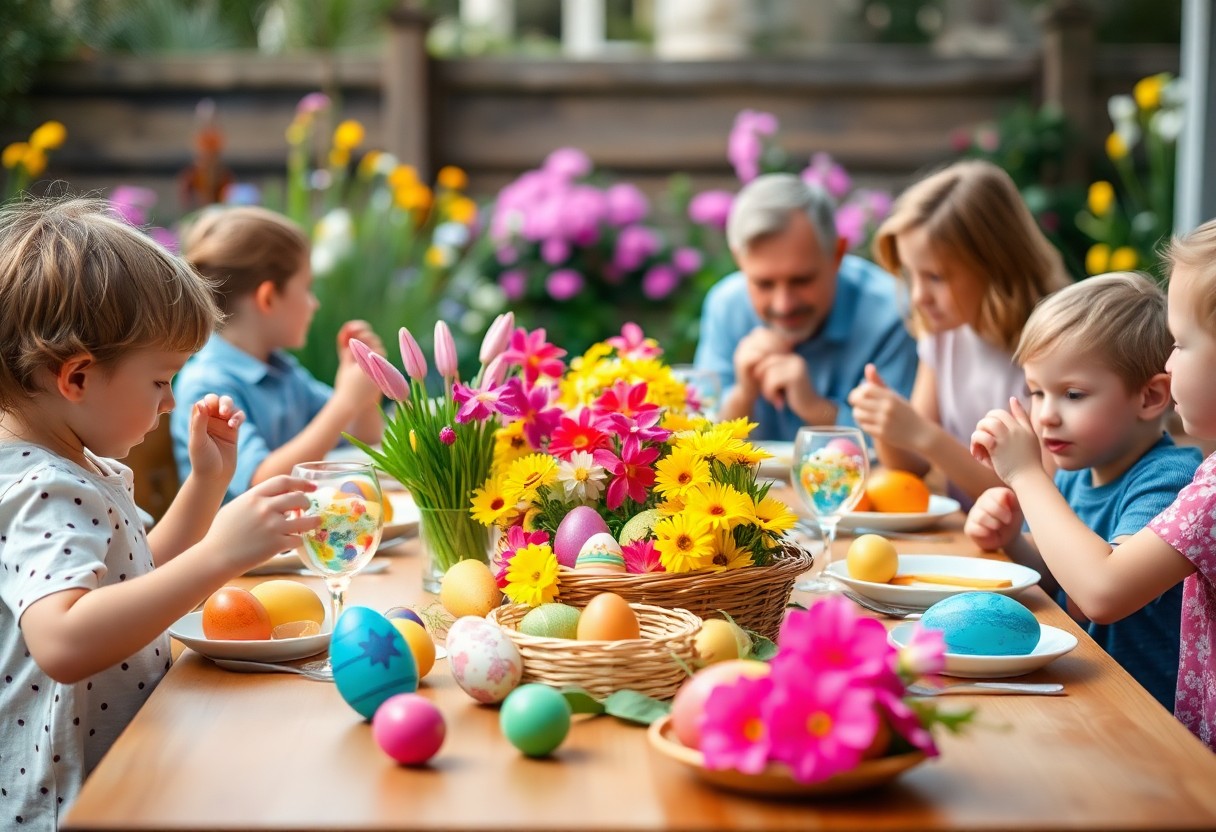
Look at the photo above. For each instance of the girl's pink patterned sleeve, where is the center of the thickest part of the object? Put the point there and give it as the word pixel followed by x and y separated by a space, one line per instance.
pixel 1189 524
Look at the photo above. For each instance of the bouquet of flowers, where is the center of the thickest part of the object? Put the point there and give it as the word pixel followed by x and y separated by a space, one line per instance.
pixel 613 433
pixel 833 697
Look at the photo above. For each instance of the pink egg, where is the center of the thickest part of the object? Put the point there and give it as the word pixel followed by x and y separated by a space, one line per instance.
pixel 572 532
pixel 845 446
pixel 409 728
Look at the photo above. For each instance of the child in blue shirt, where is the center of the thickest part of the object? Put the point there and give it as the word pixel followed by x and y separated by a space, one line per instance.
pixel 258 262
pixel 1094 355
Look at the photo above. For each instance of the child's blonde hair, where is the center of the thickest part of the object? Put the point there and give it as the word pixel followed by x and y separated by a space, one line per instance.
pixel 1196 250
pixel 241 248
pixel 972 212
pixel 75 278
pixel 1118 319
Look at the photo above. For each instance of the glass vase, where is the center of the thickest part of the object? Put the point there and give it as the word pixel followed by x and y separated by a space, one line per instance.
pixel 448 535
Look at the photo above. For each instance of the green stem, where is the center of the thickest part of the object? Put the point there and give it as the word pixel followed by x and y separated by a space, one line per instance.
pixel 452 535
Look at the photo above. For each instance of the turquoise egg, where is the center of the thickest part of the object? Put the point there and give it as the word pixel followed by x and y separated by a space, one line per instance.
pixel 983 624
pixel 535 719
pixel 371 660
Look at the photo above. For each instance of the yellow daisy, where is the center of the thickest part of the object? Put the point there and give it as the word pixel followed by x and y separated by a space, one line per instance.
pixel 749 454
pixel 489 502
pixel 672 505
pixel 728 554
pixel 526 475
pixel 721 506
pixel 684 543
pixel 715 445
pixel 774 516
pixel 678 421
pixel 739 428
pixel 680 472
pixel 509 445
pixel 532 575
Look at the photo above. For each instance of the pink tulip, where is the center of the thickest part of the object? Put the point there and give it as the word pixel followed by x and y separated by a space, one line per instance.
pixel 494 373
pixel 411 356
pixel 497 337
pixel 387 377
pixel 445 351
pixel 361 351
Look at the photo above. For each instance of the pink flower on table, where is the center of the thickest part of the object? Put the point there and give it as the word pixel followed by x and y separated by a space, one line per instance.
pixel 734 734
pixel 568 163
pixel 823 172
pixel 830 637
pixel 564 284
pixel 631 471
pixel 623 398
pixel 820 724
pixel 643 425
pixel 513 282
pixel 633 343
pixel 660 281
pixel 577 434
pixel 626 204
pixel 481 404
pixel 925 653
pixel 496 338
pixel 411 355
pixel 687 260
pixel 531 405
pixel 536 356
pixel 711 208
pixel 905 721
pixel 634 245
pixel 642 557
pixel 446 361
pixel 746 145
pixel 447 436
pixel 376 367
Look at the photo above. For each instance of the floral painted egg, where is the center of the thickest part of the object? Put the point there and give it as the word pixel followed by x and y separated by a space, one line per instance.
pixel 601 554
pixel 371 660
pixel 483 659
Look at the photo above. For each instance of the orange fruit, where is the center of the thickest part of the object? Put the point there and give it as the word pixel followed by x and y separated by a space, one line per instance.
pixel 897 491
pixel 233 614
pixel 864 504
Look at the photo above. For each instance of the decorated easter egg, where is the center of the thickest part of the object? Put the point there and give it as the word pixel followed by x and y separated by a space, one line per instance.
pixel 601 554
pixel 551 620
pixel 420 644
pixel 983 624
pixel 535 719
pixel 845 446
pixel 371 660
pixel 408 728
pixel 639 526
pixel 483 659
pixel 572 532
pixel 404 612
pixel 608 617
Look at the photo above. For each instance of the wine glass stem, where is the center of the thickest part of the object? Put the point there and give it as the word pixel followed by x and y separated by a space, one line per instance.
pixel 337 596
pixel 827 525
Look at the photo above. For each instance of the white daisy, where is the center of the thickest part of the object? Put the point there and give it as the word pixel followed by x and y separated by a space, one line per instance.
pixel 580 479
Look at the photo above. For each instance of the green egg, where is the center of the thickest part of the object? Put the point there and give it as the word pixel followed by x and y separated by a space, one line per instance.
pixel 551 621
pixel 535 719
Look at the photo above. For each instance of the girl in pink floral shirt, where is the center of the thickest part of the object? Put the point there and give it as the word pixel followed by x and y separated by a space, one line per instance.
pixel 1180 543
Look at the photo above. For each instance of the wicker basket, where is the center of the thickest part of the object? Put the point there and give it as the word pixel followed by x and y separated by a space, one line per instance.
pixel 755 597
pixel 647 665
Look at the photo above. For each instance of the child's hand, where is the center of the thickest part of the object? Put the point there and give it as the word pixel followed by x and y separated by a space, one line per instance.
pixel 884 414
pixel 214 425
pixel 364 332
pixel 1006 442
pixel 351 384
pixel 995 520
pixel 262 521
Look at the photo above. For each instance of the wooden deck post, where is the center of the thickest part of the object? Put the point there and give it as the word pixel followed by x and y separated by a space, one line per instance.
pixel 1068 81
pixel 407 89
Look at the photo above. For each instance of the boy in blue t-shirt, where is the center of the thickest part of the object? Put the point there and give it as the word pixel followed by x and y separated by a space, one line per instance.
pixel 1094 355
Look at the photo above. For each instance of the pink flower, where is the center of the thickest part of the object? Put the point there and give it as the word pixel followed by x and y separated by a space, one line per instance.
pixel 686 260
pixel 660 281
pixel 745 145
pixel 641 557
pixel 564 284
pixel 643 425
pixel 447 436
pixel 635 244
pixel 513 282
pixel 532 406
pixel 623 398
pixel 824 173
pixel 819 723
pixel 578 434
pixel 633 343
pixel 494 373
pixel 904 721
pixel 829 637
pixel 445 351
pixel 626 204
pixel 567 163
pixel 851 224
pixel 631 471
pixel 376 367
pixel 711 208
pixel 925 653
pixel 411 355
pixel 496 337
pixel 554 251
pixel 165 238
pixel 132 203
pixel 506 255
pixel 314 102
pixel 536 356
pixel 480 404
pixel 733 732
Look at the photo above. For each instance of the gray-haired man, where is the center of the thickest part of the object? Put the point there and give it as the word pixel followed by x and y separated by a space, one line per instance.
pixel 790 333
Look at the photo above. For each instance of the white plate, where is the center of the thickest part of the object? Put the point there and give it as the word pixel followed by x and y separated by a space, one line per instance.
pixel 1053 643
pixel 405 514
pixel 778 467
pixel 349 453
pixel 189 631
pixel 939 507
pixel 923 596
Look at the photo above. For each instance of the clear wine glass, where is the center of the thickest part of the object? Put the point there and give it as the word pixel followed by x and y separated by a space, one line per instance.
pixel 704 389
pixel 350 504
pixel 829 475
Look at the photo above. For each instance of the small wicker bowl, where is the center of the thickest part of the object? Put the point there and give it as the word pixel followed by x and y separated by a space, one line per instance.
pixel 647 665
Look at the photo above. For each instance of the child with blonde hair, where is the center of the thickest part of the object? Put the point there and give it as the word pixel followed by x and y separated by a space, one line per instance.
pixel 1098 404
pixel 975 264
pixel 258 264
pixel 1179 545
pixel 97 319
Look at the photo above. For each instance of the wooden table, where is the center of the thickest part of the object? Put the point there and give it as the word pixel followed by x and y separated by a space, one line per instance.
pixel 220 750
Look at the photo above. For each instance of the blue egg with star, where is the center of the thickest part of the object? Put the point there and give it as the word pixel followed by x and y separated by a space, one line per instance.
pixel 371 660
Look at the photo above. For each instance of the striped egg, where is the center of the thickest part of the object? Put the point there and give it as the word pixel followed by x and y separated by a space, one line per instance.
pixel 601 554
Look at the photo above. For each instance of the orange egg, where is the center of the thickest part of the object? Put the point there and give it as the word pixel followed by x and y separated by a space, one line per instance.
pixel 608 617
pixel 233 614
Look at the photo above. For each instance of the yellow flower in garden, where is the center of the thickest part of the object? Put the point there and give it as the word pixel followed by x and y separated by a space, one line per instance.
pixel 48 136
pixel 1116 148
pixel 1123 259
pixel 413 441
pixel 1101 198
pixel 489 502
pixel 719 505
pixel 14 154
pixel 509 445
pixel 1097 259
pixel 297 131
pixel 684 543
pixel 367 165
pixel 729 555
pixel 532 575
pixel 1147 91
pixel 462 210
pixel 415 197
pixel 438 257
pixel 403 176
pixel 339 157
pixel 452 178
pixel 348 135
pixel 774 516
pixel 678 473
pixel 526 475
pixel 34 161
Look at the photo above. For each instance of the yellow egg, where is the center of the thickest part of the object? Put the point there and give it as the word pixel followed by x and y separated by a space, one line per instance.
pixel 719 640
pixel 872 558
pixel 608 617
pixel 419 641
pixel 469 588
pixel 289 601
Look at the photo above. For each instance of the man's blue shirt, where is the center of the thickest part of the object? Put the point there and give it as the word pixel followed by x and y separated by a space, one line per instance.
pixel 866 325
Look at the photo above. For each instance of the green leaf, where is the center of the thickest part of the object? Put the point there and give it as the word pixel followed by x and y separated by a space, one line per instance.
pixel 581 702
pixel 632 706
pixel 763 648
